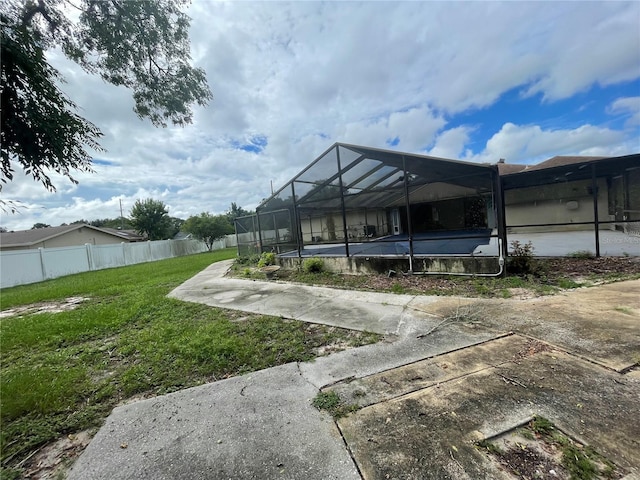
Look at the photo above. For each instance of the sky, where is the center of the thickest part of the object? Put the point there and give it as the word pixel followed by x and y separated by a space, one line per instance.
pixel 475 81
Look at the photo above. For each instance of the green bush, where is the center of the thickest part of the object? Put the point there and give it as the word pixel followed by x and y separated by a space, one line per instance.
pixel 248 259
pixel 582 254
pixel 266 259
pixel 313 265
pixel 521 258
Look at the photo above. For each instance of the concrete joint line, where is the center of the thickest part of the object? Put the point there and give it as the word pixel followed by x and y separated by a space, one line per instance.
pixel 349 451
pixel 430 357
pixel 630 368
pixel 580 357
pixel 449 380
pixel 302 375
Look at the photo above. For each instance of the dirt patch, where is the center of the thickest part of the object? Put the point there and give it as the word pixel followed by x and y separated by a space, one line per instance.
pixel 52 460
pixel 326 340
pixel 70 303
pixel 551 275
pixel 539 450
pixel 521 293
pixel 555 272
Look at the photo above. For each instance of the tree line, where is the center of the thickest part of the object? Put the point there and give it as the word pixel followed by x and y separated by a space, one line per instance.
pixel 150 218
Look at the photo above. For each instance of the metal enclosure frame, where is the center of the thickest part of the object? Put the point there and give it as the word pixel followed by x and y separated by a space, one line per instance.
pixel 341 205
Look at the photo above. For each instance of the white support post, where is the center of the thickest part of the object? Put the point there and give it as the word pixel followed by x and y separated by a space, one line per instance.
pixel 90 256
pixel 42 265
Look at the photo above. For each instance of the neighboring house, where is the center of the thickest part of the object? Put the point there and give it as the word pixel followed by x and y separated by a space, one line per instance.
pixel 64 236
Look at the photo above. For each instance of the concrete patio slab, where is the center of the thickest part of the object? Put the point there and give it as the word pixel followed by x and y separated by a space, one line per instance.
pixel 599 323
pixel 431 432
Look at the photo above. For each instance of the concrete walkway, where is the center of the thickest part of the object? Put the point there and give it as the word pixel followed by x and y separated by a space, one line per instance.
pixel 262 425
pixel 374 312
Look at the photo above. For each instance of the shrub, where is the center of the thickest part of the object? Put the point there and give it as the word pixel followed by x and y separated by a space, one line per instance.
pixel 267 258
pixel 582 254
pixel 313 265
pixel 521 258
pixel 248 259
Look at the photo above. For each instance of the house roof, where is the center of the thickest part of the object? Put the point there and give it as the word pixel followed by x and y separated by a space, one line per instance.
pixel 565 168
pixel 507 168
pixel 557 161
pixel 561 161
pixel 25 238
pixel 131 235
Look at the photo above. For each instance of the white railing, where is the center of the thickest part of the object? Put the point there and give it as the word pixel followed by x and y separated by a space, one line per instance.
pixel 19 267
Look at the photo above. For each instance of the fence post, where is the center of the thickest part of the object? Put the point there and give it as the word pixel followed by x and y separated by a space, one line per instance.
pixel 90 256
pixel 124 253
pixel 42 266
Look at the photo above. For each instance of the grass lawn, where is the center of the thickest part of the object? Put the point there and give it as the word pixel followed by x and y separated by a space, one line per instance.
pixel 64 372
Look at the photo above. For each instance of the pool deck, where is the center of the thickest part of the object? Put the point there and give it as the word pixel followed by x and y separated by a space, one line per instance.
pixel 549 244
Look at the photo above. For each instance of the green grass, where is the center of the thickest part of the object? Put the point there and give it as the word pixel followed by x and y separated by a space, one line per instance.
pixel 333 404
pixel 489 446
pixel 625 310
pixel 64 372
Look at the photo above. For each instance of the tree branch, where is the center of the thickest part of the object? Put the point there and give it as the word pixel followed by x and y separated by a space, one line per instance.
pixel 69 2
pixel 31 10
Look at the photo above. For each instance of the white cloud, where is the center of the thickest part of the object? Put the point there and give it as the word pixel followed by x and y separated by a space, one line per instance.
pixel 590 44
pixel 530 143
pixel 450 143
pixel 304 75
pixel 627 107
pixel 411 130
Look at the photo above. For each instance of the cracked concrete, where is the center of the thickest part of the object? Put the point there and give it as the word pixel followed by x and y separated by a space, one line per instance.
pixel 426 393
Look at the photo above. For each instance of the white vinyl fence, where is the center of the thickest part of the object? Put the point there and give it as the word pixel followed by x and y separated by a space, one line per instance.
pixel 19 267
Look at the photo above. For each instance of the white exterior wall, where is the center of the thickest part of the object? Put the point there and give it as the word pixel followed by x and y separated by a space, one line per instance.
pixel 555 204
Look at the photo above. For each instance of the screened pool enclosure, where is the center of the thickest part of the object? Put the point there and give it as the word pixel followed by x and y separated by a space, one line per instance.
pixel 446 216
pixel 356 201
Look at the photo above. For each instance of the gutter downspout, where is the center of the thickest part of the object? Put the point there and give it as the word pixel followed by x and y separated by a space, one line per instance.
pixel 594 195
pixel 408 207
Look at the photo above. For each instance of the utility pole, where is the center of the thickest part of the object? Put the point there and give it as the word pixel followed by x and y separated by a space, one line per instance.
pixel 121 216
